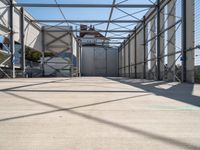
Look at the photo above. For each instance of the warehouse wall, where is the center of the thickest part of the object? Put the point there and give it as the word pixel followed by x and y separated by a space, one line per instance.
pixel 99 61
pixel 161 50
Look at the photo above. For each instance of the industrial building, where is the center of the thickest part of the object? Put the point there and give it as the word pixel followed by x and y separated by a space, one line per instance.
pixel 110 74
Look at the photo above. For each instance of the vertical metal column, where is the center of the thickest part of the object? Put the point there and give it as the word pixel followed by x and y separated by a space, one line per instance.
pixel 23 59
pixel 188 41
pixel 72 57
pixel 129 56
pixel 124 59
pixel 184 40
pixel 11 42
pixel 162 44
pixel 135 52
pixel 153 49
pixel 80 49
pixel 106 62
pixel 144 39
pixel 78 57
pixel 171 10
pixel 43 51
pixel 158 39
pixel 118 62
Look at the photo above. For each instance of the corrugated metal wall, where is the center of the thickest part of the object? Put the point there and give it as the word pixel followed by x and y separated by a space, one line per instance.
pixel 99 61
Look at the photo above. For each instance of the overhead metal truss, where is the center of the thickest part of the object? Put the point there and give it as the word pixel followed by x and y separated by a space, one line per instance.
pixel 90 31
pixel 117 22
pixel 88 21
pixel 85 5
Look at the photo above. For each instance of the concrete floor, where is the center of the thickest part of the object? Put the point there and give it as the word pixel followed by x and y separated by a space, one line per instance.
pixel 98 114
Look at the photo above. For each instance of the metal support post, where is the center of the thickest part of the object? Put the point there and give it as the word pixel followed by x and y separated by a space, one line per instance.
pixel 158 39
pixel 106 61
pixel 23 52
pixel 129 57
pixel 11 41
pixel 184 41
pixel 118 62
pixel 43 51
pixel 78 58
pixel 124 59
pixel 188 41
pixel 72 56
pixel 135 53
pixel 144 39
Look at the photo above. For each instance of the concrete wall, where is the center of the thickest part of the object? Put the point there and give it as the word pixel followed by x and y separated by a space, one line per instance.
pixel 99 61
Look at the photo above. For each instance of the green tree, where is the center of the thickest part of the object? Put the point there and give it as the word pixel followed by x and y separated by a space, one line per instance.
pixel 33 55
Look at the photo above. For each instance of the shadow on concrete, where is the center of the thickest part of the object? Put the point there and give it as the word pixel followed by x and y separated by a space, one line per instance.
pixel 75 91
pixel 30 85
pixel 129 129
pixel 182 92
pixel 59 108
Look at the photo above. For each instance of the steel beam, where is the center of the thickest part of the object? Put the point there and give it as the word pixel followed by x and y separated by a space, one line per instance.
pixel 158 40
pixel 43 51
pixel 110 17
pixel 57 39
pixel 135 53
pixel 109 38
pixel 171 9
pixel 23 52
pixel 88 31
pixel 184 41
pixel 118 55
pixel 87 21
pixel 84 5
pixel 145 49
pixel 124 47
pixel 188 41
pixel 11 41
pixel 129 56
pixel 108 43
pixel 72 57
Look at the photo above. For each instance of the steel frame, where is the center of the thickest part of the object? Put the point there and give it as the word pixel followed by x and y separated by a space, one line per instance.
pixel 184 53
pixel 50 46
pixel 87 21
pixel 154 10
pixel 85 5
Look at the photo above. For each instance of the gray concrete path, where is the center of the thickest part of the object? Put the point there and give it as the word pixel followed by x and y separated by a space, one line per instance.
pixel 95 113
